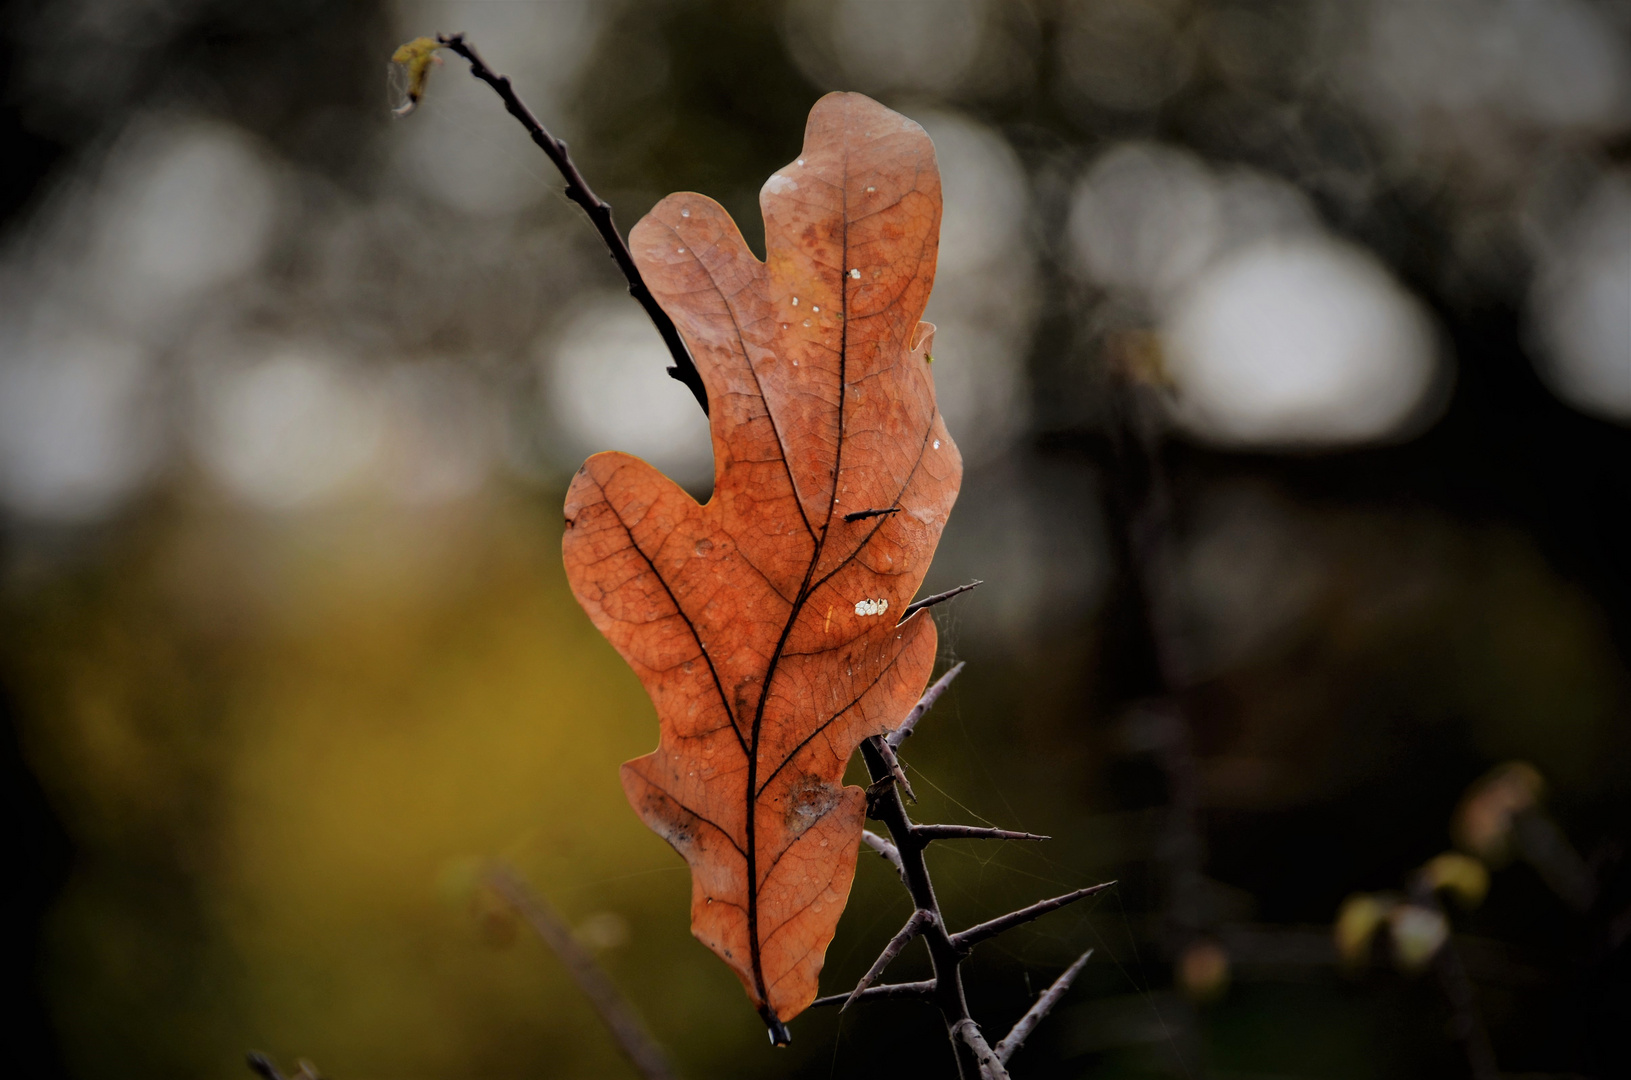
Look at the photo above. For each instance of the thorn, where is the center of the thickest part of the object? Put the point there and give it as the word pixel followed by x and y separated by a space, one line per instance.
pixel 889 851
pixel 971 937
pixel 888 754
pixel 913 926
pixel 971 832
pixel 924 703
pixel 862 515
pixel 1015 1038
pixel 937 598
pixel 886 990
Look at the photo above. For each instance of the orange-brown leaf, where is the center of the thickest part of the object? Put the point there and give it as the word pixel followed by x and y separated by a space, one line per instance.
pixel 763 624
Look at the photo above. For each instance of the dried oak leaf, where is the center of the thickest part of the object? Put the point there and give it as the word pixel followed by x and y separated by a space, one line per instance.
pixel 764 624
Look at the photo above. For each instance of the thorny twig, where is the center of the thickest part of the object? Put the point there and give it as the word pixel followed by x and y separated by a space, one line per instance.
pixel 599 211
pixel 976 1058
pixel 620 1019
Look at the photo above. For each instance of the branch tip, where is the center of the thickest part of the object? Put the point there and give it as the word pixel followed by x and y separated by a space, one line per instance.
pixel 924 703
pixel 971 832
pixel 1026 1024
pixel 938 598
pixel 920 918
pixel 971 937
pixel 921 989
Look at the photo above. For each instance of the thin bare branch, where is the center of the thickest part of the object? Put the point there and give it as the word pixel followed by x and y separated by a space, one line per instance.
pixel 921 989
pixel 599 211
pixel 987 930
pixel 970 832
pixel 924 703
pixel 913 927
pixel 620 1019
pixel 937 598
pixel 1021 1031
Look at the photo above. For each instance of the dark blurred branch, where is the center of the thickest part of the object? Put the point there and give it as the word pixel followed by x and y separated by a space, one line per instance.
pixel 1142 504
pixel 1466 1022
pixel 1544 847
pixel 620 1019
pixel 262 1066
pixel 600 213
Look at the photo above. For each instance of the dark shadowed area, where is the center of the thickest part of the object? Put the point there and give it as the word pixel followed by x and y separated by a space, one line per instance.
pixel 1288 345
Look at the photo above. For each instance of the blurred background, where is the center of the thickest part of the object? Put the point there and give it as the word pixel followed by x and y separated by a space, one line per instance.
pixel 1288 343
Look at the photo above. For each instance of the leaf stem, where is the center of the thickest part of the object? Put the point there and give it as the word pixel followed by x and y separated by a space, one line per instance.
pixel 684 368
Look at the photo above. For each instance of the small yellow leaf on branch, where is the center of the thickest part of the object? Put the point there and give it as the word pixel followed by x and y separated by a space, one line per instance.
pixel 416 57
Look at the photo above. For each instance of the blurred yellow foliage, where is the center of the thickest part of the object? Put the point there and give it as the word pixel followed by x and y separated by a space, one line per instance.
pixel 1356 925
pixel 284 745
pixel 1462 876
